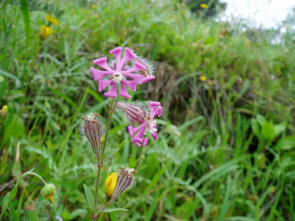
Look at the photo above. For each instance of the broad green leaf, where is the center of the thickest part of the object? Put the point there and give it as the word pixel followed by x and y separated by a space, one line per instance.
pixel 89 196
pixel 77 212
pixel 279 128
pixel 286 143
pixel 268 131
pixel 13 191
pixel 261 120
pixel 110 210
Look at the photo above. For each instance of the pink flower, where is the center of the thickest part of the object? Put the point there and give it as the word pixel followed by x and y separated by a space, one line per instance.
pixel 149 124
pixel 119 73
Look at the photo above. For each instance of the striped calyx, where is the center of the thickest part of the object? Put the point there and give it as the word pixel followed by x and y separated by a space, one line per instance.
pixel 134 113
pixel 125 179
pixel 93 131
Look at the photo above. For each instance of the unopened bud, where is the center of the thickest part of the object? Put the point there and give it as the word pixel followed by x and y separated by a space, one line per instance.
pixel 48 189
pixel 134 113
pixel 93 131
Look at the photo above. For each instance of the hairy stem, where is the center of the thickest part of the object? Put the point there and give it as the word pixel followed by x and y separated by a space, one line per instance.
pixel 100 162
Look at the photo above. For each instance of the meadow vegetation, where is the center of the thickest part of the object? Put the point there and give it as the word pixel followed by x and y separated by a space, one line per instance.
pixel 226 139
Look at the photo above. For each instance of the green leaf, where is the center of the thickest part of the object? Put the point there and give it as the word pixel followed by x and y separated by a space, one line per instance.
pixel 268 131
pixel 110 210
pixel 110 153
pixel 255 127
pixel 89 196
pixel 286 143
pixel 5 203
pixel 261 120
pixel 77 212
pixel 26 14
pixel 279 128
pixel 13 192
pixel 19 206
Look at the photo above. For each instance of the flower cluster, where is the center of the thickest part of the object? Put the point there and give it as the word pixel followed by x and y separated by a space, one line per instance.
pixel 125 71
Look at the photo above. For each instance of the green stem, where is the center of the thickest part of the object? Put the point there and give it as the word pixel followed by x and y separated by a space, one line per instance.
pixel 96 187
pixel 34 174
pixel 100 162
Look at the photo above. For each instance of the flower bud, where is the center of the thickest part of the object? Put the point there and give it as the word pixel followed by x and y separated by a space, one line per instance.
pixel 48 190
pixel 51 19
pixel 125 179
pixel 134 113
pixel 45 32
pixel 117 183
pixel 93 131
pixel 4 112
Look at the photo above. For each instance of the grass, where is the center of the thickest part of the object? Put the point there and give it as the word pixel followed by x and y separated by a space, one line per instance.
pixel 234 158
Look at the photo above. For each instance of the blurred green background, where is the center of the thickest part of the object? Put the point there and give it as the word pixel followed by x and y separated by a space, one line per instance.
pixel 226 142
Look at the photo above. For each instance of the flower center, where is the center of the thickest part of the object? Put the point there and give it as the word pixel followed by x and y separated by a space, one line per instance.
pixel 151 125
pixel 117 77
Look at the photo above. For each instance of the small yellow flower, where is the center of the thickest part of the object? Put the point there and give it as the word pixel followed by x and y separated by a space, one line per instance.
pixel 50 198
pixel 110 183
pixel 45 32
pixel 4 112
pixel 94 7
pixel 102 139
pixel 204 6
pixel 51 19
pixel 203 78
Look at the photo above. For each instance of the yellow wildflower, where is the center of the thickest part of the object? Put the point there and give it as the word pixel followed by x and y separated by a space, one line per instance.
pixel 45 32
pixel 203 78
pixel 110 183
pixel 50 198
pixel 51 19
pixel 204 6
pixel 4 112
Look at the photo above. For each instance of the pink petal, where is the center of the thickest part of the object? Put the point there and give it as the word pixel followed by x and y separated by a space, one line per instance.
pixel 136 142
pixel 117 52
pixel 144 142
pixel 155 109
pixel 136 77
pixel 102 62
pixel 136 67
pixel 130 130
pixel 97 74
pixel 130 84
pixel 112 92
pixel 146 79
pixel 129 55
pixel 155 135
pixel 102 84
pixel 123 92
